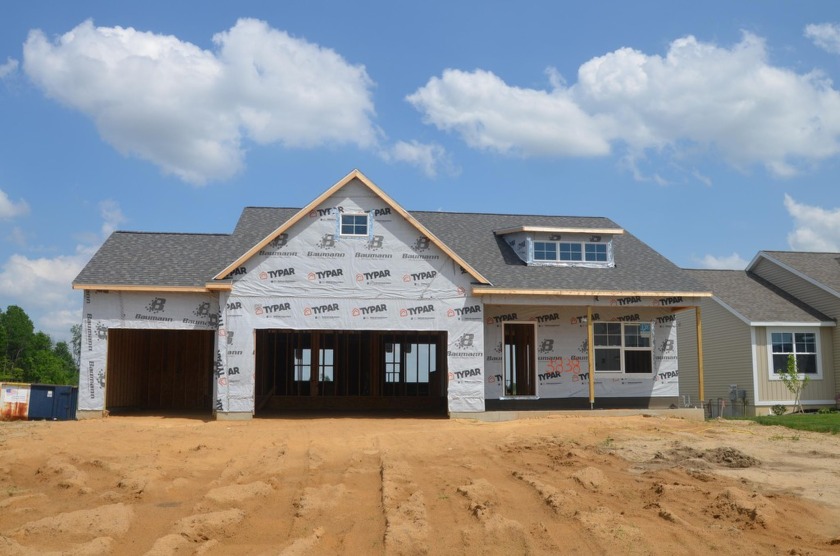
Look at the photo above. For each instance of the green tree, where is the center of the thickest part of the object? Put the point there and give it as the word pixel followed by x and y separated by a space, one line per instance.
pixel 794 382
pixel 19 331
pixel 76 334
pixel 30 356
pixel 70 370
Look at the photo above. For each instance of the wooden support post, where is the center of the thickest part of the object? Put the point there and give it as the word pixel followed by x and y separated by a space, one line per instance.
pixel 590 335
pixel 699 324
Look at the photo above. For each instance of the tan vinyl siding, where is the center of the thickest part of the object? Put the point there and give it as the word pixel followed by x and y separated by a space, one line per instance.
pixel 814 296
pixel 776 391
pixel 727 357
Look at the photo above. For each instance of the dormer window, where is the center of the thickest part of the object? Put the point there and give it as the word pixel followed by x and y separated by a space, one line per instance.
pixel 353 225
pixel 568 251
pixel 541 245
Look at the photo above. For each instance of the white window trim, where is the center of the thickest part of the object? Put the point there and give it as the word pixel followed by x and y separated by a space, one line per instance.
pixel 367 234
pixel 793 330
pixel 623 348
pixel 583 260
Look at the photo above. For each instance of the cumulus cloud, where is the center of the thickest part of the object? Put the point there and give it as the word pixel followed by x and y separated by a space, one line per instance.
pixel 698 97
pixel 189 110
pixel 489 114
pixel 825 36
pixel 726 262
pixel 42 286
pixel 8 68
pixel 112 216
pixel 9 209
pixel 432 159
pixel 815 228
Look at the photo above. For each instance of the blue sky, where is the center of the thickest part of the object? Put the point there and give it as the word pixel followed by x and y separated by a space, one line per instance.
pixel 710 130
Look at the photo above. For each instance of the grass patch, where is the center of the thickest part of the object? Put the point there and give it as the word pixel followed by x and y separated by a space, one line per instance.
pixel 814 422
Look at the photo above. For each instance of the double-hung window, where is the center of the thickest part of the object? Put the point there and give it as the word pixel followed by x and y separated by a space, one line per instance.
pixel 596 252
pixel 803 346
pixel 545 251
pixel 570 251
pixel 623 347
pixel 354 224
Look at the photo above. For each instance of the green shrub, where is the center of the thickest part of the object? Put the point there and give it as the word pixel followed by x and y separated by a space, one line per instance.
pixel 778 409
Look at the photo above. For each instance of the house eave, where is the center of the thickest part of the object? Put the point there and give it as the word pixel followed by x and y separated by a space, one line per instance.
pixel 489 290
pixel 560 230
pixel 140 288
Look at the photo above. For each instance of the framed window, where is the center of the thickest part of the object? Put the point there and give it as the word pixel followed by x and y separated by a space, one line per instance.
pixel 623 347
pixel 545 251
pixel 570 251
pixel 802 345
pixel 596 252
pixel 354 224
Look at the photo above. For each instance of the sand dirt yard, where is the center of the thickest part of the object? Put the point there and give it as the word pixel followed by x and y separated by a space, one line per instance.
pixel 365 485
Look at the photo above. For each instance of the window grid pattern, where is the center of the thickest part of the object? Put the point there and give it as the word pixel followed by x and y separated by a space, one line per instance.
pixel 801 345
pixel 623 347
pixel 569 251
pixel 354 224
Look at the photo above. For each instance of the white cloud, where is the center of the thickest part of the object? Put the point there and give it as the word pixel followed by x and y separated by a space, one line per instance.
pixel 726 262
pixel 8 68
pixel 188 110
pixel 825 36
pixel 491 115
pixel 112 216
pixel 815 228
pixel 9 209
pixel 42 286
pixel 431 158
pixel 699 97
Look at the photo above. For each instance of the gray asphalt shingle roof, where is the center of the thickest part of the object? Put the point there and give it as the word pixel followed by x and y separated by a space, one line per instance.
pixel 157 259
pixel 637 266
pixel 756 299
pixel 822 267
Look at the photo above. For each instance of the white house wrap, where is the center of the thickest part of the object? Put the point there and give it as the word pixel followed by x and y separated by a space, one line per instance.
pixel 281 293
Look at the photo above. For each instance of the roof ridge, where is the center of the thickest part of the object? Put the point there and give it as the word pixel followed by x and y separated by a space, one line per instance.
pixel 136 232
pixel 510 214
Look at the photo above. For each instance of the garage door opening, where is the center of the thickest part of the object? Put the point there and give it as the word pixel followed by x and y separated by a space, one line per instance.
pixel 159 370
pixel 350 370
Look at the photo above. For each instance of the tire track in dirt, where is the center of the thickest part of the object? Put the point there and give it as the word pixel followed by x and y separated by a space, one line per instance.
pixel 334 503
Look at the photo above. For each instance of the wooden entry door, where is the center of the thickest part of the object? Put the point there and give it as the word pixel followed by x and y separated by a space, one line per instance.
pixel 520 359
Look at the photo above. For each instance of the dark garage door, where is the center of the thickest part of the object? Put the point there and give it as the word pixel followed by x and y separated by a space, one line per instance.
pixel 159 370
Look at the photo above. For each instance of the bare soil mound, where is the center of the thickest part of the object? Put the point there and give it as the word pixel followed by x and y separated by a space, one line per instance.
pixel 337 485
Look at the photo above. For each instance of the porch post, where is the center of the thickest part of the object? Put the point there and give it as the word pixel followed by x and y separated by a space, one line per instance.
pixel 699 324
pixel 590 341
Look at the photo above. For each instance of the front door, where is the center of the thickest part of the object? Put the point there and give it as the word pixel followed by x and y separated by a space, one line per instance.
pixel 520 359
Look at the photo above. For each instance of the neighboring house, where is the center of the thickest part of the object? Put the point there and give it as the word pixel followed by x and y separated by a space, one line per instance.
pixel 352 302
pixel 784 303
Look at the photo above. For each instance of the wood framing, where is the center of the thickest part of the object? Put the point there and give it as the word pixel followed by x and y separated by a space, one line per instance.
pixel 355 174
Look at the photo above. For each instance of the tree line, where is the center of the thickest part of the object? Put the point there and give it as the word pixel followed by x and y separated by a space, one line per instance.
pixel 30 356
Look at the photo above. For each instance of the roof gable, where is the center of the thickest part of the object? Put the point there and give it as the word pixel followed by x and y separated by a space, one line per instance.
pixel 756 301
pixel 305 211
pixel 820 269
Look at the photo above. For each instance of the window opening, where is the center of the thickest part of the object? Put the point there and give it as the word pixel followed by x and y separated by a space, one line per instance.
pixel 623 347
pixel 570 252
pixel 803 347
pixel 596 252
pixel 354 224
pixel 545 251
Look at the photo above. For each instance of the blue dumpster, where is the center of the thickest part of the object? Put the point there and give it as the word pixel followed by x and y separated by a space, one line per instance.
pixel 51 402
